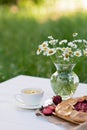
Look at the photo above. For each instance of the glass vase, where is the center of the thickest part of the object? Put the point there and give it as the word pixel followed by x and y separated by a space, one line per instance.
pixel 64 81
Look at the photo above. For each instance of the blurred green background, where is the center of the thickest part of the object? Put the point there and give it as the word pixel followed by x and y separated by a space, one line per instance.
pixel 24 24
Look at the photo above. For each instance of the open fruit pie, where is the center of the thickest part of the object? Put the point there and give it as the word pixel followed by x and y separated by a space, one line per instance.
pixel 73 109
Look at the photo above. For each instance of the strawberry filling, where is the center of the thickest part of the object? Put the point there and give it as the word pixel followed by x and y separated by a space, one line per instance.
pixel 81 106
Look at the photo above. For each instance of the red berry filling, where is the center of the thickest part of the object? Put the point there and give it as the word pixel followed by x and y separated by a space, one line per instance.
pixel 81 106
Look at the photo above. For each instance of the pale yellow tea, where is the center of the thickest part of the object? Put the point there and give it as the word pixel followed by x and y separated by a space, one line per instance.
pixel 31 91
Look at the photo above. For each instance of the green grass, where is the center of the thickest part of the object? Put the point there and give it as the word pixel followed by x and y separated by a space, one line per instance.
pixel 20 36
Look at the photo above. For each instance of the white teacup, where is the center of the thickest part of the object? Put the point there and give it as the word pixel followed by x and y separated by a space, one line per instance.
pixel 30 96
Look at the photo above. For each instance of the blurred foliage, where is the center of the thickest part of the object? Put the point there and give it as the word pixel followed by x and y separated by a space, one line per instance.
pixel 38 1
pixel 21 34
pixel 19 1
pixel 8 1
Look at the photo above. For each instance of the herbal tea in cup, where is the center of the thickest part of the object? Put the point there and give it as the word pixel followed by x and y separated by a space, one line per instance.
pixel 30 96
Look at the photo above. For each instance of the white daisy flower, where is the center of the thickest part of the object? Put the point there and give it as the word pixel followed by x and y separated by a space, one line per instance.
pixel 66 56
pixel 58 49
pixel 78 53
pixel 51 51
pixel 64 50
pixel 66 53
pixel 74 46
pixel 53 42
pixel 44 44
pixel 50 37
pixel 84 41
pixel 75 34
pixel 79 40
pixel 71 44
pixel 62 42
pixel 39 50
pixel 42 47
pixel 45 50
pixel 85 52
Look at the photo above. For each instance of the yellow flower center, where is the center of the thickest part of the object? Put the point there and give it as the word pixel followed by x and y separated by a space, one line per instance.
pixel 66 55
pixel 50 51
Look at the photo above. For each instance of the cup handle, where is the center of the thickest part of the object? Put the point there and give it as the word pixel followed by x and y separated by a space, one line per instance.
pixel 19 98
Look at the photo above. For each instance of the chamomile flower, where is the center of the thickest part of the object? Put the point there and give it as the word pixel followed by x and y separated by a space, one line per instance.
pixel 62 42
pixel 53 42
pixel 84 41
pixel 39 50
pixel 85 52
pixel 42 47
pixel 66 56
pixel 64 51
pixel 44 44
pixel 50 51
pixel 75 34
pixel 71 44
pixel 50 37
pixel 78 53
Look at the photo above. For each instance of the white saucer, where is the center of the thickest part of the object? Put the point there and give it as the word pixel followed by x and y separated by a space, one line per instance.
pixel 21 104
pixel 25 106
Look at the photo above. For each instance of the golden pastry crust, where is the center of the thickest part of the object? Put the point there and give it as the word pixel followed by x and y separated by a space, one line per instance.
pixel 66 110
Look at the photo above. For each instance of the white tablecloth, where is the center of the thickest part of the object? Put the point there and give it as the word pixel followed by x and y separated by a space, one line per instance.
pixel 15 118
